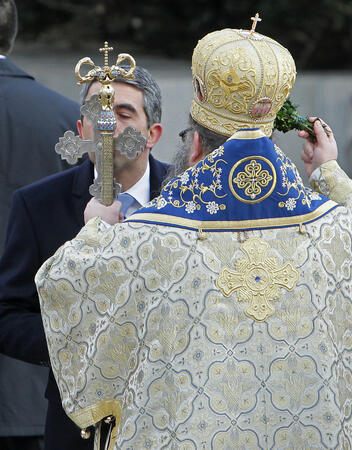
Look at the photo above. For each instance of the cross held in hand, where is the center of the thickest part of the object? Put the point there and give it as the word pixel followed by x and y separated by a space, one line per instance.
pixel 104 187
pixel 106 49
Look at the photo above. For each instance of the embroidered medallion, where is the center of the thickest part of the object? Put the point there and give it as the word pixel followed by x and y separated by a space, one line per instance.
pixel 258 279
pixel 199 89
pixel 257 179
pixel 261 108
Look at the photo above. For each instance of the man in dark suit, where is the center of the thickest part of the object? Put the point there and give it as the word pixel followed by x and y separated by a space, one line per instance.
pixel 50 212
pixel 32 117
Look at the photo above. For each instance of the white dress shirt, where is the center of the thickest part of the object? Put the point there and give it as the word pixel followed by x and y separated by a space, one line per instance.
pixel 139 191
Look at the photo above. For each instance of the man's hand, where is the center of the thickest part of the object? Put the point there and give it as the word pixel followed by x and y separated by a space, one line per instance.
pixel 314 154
pixel 110 214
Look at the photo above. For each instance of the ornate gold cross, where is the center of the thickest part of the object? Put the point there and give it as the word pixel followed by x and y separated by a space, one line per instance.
pixel 255 19
pixel 106 49
pixel 105 74
pixel 107 122
pixel 100 112
pixel 258 279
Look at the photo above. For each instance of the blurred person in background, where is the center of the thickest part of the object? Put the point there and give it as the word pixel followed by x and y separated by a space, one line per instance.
pixel 32 118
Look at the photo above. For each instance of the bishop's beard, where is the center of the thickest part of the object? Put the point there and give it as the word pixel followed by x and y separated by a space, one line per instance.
pixel 180 163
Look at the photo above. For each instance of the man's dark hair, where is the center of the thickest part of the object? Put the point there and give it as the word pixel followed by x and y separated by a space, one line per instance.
pixel 149 87
pixel 8 26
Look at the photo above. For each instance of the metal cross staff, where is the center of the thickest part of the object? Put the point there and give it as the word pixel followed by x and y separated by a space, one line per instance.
pixel 99 110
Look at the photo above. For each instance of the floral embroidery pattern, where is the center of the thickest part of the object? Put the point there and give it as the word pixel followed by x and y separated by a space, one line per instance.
pixel 290 204
pixel 190 207
pixel 306 194
pixel 192 190
pixel 212 207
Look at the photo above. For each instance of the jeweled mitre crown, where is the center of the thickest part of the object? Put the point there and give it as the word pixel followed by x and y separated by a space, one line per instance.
pixel 241 79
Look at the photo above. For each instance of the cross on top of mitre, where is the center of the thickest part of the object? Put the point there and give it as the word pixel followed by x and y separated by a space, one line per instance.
pixel 255 20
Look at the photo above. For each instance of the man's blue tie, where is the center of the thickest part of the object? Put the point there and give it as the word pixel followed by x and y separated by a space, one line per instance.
pixel 126 200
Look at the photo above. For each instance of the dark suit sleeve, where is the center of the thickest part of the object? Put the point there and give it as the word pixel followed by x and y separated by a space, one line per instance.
pixel 21 329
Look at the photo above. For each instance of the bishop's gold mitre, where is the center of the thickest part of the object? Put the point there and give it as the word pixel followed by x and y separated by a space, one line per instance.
pixel 241 79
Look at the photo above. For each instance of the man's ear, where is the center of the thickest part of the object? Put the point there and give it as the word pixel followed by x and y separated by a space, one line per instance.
pixel 79 128
pixel 154 134
pixel 197 152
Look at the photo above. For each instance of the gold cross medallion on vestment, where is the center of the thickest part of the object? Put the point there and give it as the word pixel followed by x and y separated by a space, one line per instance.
pixel 258 279
pixel 252 179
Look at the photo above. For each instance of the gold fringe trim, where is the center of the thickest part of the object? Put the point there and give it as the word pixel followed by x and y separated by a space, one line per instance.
pixel 90 415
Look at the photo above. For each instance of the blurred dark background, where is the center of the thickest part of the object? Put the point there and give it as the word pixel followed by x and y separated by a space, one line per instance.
pixel 317 33
pixel 161 34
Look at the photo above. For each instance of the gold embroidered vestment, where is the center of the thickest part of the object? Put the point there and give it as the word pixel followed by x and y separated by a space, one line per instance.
pixel 145 333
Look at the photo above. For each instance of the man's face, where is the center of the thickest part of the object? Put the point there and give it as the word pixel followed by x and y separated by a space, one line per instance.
pixel 129 111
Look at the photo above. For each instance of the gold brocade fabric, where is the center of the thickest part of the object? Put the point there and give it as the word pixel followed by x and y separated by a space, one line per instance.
pixel 240 79
pixel 145 315
pixel 330 180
